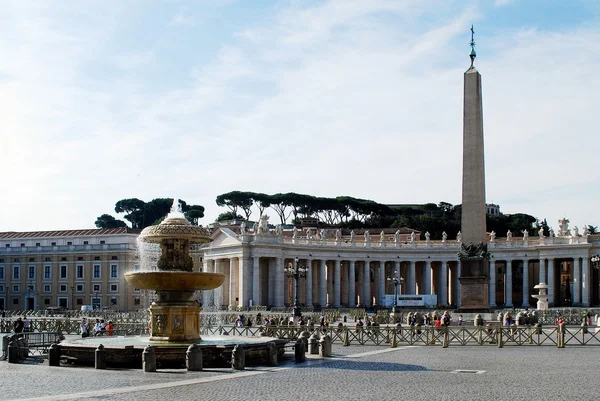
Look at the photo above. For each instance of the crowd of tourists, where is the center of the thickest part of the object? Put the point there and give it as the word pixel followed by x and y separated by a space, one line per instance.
pixel 98 328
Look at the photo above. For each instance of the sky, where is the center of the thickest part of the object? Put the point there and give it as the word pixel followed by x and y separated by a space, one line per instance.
pixel 145 99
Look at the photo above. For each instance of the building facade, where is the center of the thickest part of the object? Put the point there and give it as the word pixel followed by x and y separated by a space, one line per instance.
pixel 345 272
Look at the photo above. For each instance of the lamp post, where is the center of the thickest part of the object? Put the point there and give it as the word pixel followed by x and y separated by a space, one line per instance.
pixel 595 261
pixel 396 282
pixel 295 272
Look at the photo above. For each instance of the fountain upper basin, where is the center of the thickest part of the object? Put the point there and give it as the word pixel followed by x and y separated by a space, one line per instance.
pixel 175 280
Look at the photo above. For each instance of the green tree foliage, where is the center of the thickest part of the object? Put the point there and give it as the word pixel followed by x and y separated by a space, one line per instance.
pixel 108 221
pixel 228 216
pixel 141 214
pixel 235 200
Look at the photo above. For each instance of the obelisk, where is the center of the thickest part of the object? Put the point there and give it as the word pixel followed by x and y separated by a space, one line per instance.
pixel 474 273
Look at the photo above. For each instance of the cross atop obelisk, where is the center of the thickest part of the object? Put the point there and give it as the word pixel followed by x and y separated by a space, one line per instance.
pixel 473 255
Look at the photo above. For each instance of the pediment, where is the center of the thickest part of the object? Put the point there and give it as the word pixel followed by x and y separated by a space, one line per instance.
pixel 224 237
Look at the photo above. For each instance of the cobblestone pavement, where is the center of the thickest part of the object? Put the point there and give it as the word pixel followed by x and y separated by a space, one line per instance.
pixel 356 372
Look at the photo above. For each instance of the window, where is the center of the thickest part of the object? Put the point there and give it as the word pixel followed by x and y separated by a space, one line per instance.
pixel 16 271
pixel 79 272
pixel 96 288
pixel 79 301
pixel 79 257
pixel 1 272
pixel 63 271
pixel 114 288
pixel 63 259
pixel 46 301
pixel 114 258
pixel 113 301
pixel 114 271
pixel 79 288
pixel 1 288
pixel 85 242
pixel 15 301
pixel 102 242
pixel 22 244
pixel 136 301
pixel 96 257
pixel 17 260
pixel 32 259
pixel 31 273
pixel 16 288
pixel 69 243
pixel 1 260
pixel 47 288
pixel 54 244
pixel 96 271
pixel 47 272
pixel 63 288
pixel 47 259
pixel 8 245
pixel 38 244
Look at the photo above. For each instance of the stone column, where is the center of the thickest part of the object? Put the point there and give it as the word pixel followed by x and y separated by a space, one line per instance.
pixel 344 288
pixel 585 282
pixel 271 285
pixel 322 284
pixel 337 278
pixel 576 282
pixel 525 283
pixel 205 266
pixel 550 282
pixel 279 281
pixel 330 278
pixel 256 281
pixel 458 283
pixel 367 284
pixel 427 276
pixel 381 282
pixel 352 284
pixel 411 288
pixel 508 284
pixel 243 282
pixel 309 281
pixel 542 271
pixel 492 283
pixel 232 282
pixel 444 284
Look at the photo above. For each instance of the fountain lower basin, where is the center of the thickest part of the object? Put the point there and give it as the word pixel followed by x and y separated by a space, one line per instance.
pixel 126 352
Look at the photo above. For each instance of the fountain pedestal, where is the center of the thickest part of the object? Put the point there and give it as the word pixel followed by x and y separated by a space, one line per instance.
pixel 175 323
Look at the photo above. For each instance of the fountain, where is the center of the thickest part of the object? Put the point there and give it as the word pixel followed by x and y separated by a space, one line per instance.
pixel 175 314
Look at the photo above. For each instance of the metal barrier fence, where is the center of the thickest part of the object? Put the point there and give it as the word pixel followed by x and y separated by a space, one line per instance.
pixel 430 336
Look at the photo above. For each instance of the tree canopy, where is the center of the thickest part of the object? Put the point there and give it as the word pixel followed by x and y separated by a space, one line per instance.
pixel 350 212
pixel 142 214
pixel 108 221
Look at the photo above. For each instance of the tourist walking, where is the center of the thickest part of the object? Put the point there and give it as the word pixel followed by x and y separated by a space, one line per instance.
pixel 460 320
pixel 84 328
pixel 26 324
pixel 109 328
pixel 18 325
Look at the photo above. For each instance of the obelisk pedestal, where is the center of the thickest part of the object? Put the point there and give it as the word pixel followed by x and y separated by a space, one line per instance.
pixel 474 274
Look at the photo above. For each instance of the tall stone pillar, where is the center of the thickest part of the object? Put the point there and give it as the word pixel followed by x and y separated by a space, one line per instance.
pixel 309 281
pixel 256 281
pixel 492 284
pixel 474 277
pixel 271 281
pixel 576 281
pixel 525 283
pixel 381 285
pixel 322 284
pixel 367 284
pixel 279 283
pixel 444 284
pixel 344 295
pixel 243 282
pixel 411 287
pixel 233 282
pixel 585 282
pixel 352 284
pixel 542 271
pixel 456 284
pixel 550 282
pixel 337 278
pixel 427 276
pixel 508 284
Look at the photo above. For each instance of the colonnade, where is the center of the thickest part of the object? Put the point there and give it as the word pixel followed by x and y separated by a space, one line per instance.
pixel 331 282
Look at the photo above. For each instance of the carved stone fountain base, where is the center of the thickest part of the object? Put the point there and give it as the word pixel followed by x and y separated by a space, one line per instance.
pixel 175 323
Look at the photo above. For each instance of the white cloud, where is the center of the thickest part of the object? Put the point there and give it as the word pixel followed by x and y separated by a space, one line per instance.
pixel 347 97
